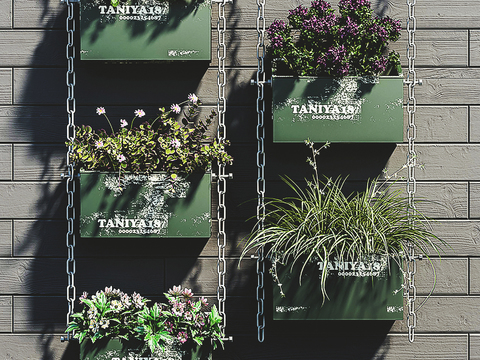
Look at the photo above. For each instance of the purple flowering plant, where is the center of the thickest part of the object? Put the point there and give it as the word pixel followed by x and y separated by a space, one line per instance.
pixel 162 143
pixel 183 321
pixel 316 41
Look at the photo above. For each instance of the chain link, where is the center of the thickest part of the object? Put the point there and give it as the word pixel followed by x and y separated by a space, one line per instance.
pixel 222 177
pixel 70 174
pixel 260 82
pixel 411 81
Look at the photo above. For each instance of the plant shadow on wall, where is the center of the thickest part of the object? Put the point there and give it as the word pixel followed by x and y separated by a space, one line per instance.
pixel 38 131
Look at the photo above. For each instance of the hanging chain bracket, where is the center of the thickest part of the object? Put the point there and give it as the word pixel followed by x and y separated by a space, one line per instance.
pixel 260 81
pixel 222 176
pixel 70 176
pixel 411 81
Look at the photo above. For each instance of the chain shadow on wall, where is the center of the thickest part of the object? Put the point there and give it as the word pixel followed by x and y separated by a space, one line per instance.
pixel 38 127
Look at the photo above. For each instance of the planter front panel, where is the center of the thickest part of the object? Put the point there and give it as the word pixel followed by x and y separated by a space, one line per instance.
pixel 152 205
pixel 351 109
pixel 117 349
pixel 145 30
pixel 361 291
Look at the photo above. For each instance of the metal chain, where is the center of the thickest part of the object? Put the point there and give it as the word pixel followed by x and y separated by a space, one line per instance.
pixel 70 174
pixel 411 81
pixel 222 176
pixel 260 82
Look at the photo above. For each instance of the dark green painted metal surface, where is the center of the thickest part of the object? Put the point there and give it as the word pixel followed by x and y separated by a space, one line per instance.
pixel 355 296
pixel 119 349
pixel 145 30
pixel 351 109
pixel 149 206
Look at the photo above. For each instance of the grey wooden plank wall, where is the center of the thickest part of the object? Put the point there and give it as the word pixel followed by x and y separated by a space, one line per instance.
pixel 32 199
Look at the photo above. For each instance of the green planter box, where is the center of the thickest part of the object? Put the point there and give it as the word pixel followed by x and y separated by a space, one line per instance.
pixel 351 109
pixel 361 291
pixel 119 349
pixel 149 206
pixel 145 30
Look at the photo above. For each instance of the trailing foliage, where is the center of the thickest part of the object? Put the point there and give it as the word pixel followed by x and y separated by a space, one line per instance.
pixel 316 41
pixel 321 224
pixel 158 144
pixel 112 313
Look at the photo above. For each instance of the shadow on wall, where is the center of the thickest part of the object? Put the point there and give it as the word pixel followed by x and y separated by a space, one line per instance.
pixel 152 266
pixel 38 131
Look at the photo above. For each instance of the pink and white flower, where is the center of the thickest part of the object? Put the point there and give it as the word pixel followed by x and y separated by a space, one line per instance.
pixel 100 110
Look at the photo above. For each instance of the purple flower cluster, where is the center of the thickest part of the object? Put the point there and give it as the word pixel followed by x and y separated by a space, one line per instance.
pixel 297 16
pixel 353 5
pixel 393 27
pixel 321 7
pixel 379 31
pixel 278 26
pixel 350 28
pixel 351 43
pixel 334 61
pixel 320 25
pixel 378 66
pixel 276 32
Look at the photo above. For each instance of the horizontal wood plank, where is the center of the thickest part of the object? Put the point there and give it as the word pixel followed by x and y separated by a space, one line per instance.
pixel 463 236
pixel 445 314
pixel 6 238
pixel 94 85
pixel 475 276
pixel 474 47
pixel 6 15
pixel 32 48
pixel 39 14
pixel 442 124
pixel 6 90
pixel 44 238
pixel 440 162
pixel 6 311
pixel 5 162
pixel 46 276
pixel 474 205
pixel 475 124
pixel 32 200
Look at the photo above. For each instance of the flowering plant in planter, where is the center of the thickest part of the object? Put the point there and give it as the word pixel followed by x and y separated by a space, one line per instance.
pixel 159 144
pixel 182 322
pixel 321 225
pixel 316 41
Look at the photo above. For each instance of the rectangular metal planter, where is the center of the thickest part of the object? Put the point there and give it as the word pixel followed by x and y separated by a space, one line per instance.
pixel 145 30
pixel 152 205
pixel 358 290
pixel 351 109
pixel 119 349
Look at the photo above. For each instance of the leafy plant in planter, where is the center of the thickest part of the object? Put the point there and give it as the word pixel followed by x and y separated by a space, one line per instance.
pixel 122 197
pixel 158 144
pixel 179 325
pixel 316 41
pixel 333 76
pixel 321 225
